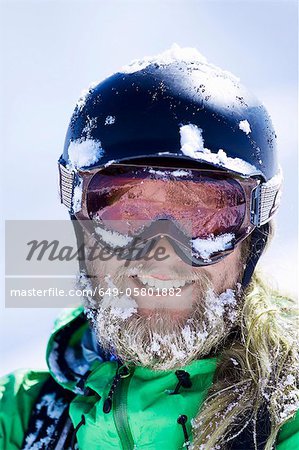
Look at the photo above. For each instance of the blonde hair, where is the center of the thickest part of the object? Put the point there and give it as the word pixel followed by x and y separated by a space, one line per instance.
pixel 258 368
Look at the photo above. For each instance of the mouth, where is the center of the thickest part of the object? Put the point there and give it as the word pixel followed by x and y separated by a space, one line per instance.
pixel 161 282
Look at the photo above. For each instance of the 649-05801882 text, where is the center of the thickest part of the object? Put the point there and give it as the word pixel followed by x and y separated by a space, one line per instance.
pixel 114 292
pixel 135 292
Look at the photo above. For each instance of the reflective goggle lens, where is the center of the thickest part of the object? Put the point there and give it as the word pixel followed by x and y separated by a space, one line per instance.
pixel 206 203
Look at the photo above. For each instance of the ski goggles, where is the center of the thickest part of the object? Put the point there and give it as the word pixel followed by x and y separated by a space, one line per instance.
pixel 203 213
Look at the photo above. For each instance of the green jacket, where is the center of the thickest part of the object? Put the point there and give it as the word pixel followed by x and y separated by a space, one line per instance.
pixel 143 412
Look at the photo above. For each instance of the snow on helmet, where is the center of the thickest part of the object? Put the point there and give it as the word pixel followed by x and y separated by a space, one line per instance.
pixel 176 105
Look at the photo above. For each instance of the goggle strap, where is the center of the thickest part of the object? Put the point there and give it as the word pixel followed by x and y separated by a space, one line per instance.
pixel 266 200
pixel 66 184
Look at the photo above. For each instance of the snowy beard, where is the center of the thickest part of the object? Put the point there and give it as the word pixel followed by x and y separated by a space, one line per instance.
pixel 157 341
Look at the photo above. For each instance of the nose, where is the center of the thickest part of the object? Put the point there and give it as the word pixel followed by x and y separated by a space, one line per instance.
pixel 162 250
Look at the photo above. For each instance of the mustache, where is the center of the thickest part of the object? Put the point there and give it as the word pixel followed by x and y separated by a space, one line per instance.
pixel 148 269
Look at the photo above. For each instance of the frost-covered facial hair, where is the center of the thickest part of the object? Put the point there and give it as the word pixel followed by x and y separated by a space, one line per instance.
pixel 157 341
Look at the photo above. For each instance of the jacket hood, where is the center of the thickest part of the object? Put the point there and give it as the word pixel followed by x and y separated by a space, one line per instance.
pixel 65 354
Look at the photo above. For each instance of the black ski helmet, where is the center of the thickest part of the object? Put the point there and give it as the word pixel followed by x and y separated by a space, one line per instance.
pixel 175 107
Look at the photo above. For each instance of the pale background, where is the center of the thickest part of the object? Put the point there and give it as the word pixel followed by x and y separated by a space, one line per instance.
pixel 53 49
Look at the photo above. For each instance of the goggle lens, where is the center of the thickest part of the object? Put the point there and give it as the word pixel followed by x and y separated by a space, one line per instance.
pixel 206 204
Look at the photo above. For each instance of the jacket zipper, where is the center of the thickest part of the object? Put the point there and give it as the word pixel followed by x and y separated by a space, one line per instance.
pixel 120 412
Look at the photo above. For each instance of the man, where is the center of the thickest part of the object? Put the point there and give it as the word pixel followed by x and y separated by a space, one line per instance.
pixel 171 179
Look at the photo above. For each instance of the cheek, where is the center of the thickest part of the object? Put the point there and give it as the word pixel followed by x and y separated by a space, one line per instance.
pixel 100 267
pixel 226 273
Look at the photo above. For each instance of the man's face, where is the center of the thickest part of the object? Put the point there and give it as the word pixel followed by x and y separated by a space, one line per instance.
pixel 169 284
pixel 163 314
